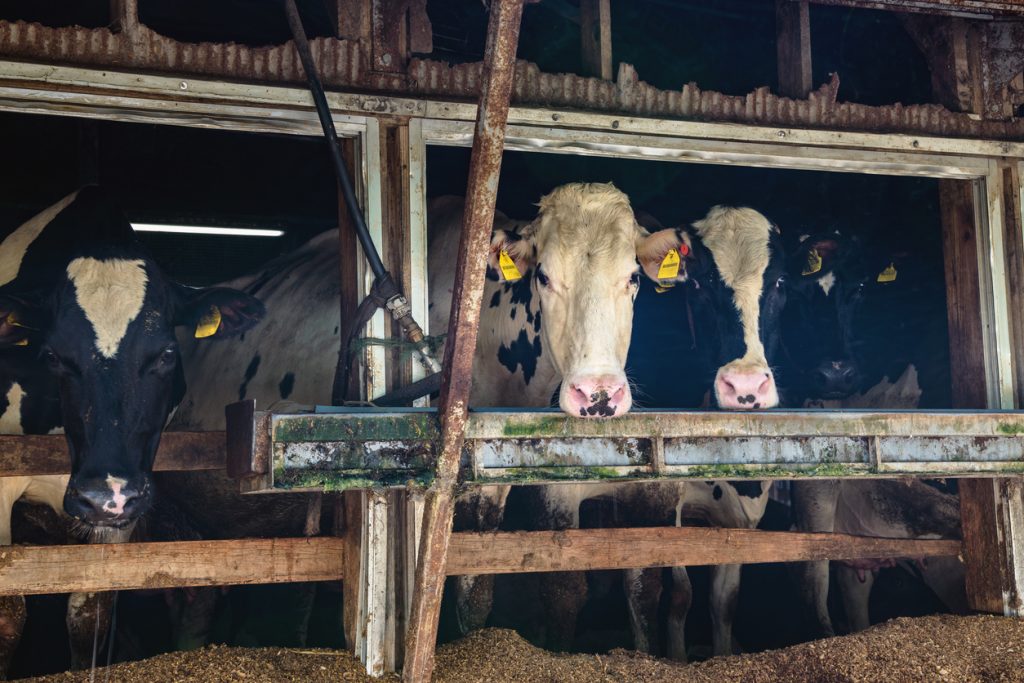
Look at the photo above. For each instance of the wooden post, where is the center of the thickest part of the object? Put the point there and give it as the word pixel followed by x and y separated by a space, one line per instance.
pixel 793 47
pixel 481 193
pixel 992 510
pixel 124 16
pixel 596 38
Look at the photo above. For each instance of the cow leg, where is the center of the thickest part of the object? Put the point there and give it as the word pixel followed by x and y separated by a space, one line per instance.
pixel 192 612
pixel 814 507
pixel 679 606
pixel 89 614
pixel 480 510
pixel 725 593
pixel 643 589
pixel 856 595
pixel 12 607
pixel 563 594
pixel 88 621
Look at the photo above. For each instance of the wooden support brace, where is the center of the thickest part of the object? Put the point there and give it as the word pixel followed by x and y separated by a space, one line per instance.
pixel 467 297
pixel 793 47
pixel 596 38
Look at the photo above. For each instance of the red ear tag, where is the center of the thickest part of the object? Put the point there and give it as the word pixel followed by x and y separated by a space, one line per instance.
pixel 683 249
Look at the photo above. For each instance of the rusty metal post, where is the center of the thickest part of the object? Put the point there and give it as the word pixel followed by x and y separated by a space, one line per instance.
pixel 467 295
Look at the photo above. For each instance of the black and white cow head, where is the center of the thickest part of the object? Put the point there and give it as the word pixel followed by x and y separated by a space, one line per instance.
pixel 584 254
pixel 831 278
pixel 101 315
pixel 735 270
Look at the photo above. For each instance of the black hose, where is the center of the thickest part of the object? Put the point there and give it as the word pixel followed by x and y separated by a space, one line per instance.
pixel 322 111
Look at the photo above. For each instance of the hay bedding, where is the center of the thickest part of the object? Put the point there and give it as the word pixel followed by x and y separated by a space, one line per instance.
pixel 939 648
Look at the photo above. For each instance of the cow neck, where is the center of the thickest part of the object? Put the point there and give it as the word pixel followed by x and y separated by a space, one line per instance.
pixel 511 332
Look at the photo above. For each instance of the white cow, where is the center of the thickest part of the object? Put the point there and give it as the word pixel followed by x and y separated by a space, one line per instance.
pixel 567 319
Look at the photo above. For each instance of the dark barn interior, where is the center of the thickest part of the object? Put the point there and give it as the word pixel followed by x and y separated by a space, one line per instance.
pixel 196 176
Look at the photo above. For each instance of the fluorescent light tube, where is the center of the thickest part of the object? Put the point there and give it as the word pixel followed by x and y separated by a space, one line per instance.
pixel 206 230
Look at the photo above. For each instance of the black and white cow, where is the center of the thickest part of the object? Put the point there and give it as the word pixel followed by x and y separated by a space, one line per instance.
pixel 87 325
pixel 832 280
pixel 566 320
pixel 727 309
pixel 827 278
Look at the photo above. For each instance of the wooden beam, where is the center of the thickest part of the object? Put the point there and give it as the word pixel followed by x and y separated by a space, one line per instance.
pixel 596 38
pixel 992 516
pixel 973 8
pixel 31 455
pixel 793 48
pixel 467 298
pixel 1013 241
pixel 963 294
pixel 28 570
pixel 515 552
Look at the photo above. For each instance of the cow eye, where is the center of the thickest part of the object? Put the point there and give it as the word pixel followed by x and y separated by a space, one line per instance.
pixel 51 359
pixel 780 282
pixel 168 356
pixel 543 279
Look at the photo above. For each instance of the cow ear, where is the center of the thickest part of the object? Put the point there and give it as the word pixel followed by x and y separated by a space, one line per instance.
pixel 512 253
pixel 219 312
pixel 816 257
pixel 20 321
pixel 664 255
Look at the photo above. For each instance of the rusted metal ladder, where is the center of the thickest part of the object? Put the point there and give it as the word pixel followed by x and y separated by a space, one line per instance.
pixel 467 296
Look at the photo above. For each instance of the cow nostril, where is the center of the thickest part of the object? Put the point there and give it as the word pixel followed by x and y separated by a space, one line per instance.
pixel 729 386
pixel 580 395
pixel 764 386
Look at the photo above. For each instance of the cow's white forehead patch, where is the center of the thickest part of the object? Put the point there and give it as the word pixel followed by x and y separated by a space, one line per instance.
pixel 827 282
pixel 738 239
pixel 15 245
pixel 110 293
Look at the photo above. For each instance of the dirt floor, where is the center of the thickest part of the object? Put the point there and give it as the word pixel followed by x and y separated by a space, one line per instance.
pixel 938 648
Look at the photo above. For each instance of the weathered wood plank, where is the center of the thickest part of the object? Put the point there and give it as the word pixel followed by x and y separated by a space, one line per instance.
pixel 793 47
pixel 596 38
pixel 981 546
pixel 126 566
pixel 586 549
pixel 963 294
pixel 30 455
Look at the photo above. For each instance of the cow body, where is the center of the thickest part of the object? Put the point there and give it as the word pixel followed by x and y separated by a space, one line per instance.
pixel 881 508
pixel 86 343
pixel 571 279
pixel 832 278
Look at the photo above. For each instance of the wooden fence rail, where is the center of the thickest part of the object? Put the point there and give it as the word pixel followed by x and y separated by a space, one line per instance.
pixel 128 566
pixel 32 454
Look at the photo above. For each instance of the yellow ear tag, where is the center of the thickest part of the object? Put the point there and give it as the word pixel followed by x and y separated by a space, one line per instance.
pixel 669 268
pixel 813 262
pixel 887 275
pixel 22 342
pixel 661 290
pixel 509 271
pixel 208 324
pixel 12 320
